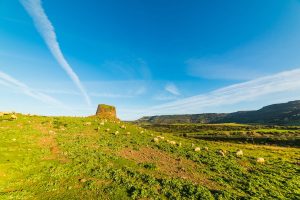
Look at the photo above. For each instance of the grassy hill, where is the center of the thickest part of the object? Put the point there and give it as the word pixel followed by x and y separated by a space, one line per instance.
pixel 92 158
pixel 279 114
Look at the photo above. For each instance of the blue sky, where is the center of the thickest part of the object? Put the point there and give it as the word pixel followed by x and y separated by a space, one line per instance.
pixel 147 57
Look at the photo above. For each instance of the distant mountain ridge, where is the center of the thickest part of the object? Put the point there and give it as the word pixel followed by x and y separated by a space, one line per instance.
pixel 276 114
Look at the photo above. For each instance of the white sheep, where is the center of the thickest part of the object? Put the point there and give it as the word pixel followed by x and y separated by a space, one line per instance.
pixel 260 160
pixel 172 142
pixel 123 127
pixel 222 153
pixel 13 117
pixel 239 153
pixel 156 140
pixel 197 149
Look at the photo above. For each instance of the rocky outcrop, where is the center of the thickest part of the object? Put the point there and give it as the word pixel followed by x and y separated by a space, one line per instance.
pixel 106 111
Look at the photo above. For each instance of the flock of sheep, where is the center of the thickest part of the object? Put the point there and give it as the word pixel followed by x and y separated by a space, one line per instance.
pixel 238 153
pixel 13 115
pixel 156 139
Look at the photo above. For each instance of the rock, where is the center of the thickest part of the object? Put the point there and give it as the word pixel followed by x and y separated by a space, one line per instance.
pixel 239 153
pixel 107 112
pixel 260 160
pixel 197 149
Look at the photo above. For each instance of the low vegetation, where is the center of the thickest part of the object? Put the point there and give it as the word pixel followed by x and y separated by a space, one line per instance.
pixel 238 133
pixel 84 158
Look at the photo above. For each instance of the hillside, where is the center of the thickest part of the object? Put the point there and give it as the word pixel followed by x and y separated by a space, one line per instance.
pixel 276 114
pixel 93 158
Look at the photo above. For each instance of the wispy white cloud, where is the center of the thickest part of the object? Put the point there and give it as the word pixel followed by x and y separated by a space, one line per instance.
pixel 46 30
pixel 11 82
pixel 171 88
pixel 111 95
pixel 242 92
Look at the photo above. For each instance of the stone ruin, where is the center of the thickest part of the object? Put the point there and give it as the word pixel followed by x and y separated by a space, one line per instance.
pixel 106 111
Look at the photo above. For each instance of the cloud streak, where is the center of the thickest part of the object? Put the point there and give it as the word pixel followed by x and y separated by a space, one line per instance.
pixel 11 82
pixel 46 30
pixel 250 90
pixel 171 88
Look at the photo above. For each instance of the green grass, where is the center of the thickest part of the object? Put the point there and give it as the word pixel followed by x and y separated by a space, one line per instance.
pixel 63 158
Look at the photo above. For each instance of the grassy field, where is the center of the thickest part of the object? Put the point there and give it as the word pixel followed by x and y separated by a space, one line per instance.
pixel 230 132
pixel 91 158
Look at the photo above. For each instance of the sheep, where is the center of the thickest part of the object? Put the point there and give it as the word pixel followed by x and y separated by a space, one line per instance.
pixel 260 160
pixel 123 127
pixel 13 117
pixel 239 153
pixel 197 149
pixel 128 133
pixel 172 142
pixel 142 132
pixel 102 123
pixel 87 123
pixel 156 140
pixel 206 148
pixel 116 133
pixel 222 153
pixel 107 129
pixel 161 137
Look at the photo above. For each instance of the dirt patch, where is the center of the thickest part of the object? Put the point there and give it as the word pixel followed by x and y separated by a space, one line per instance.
pixel 48 141
pixel 169 165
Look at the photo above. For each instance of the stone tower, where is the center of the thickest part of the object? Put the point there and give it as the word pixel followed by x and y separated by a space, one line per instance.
pixel 106 111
